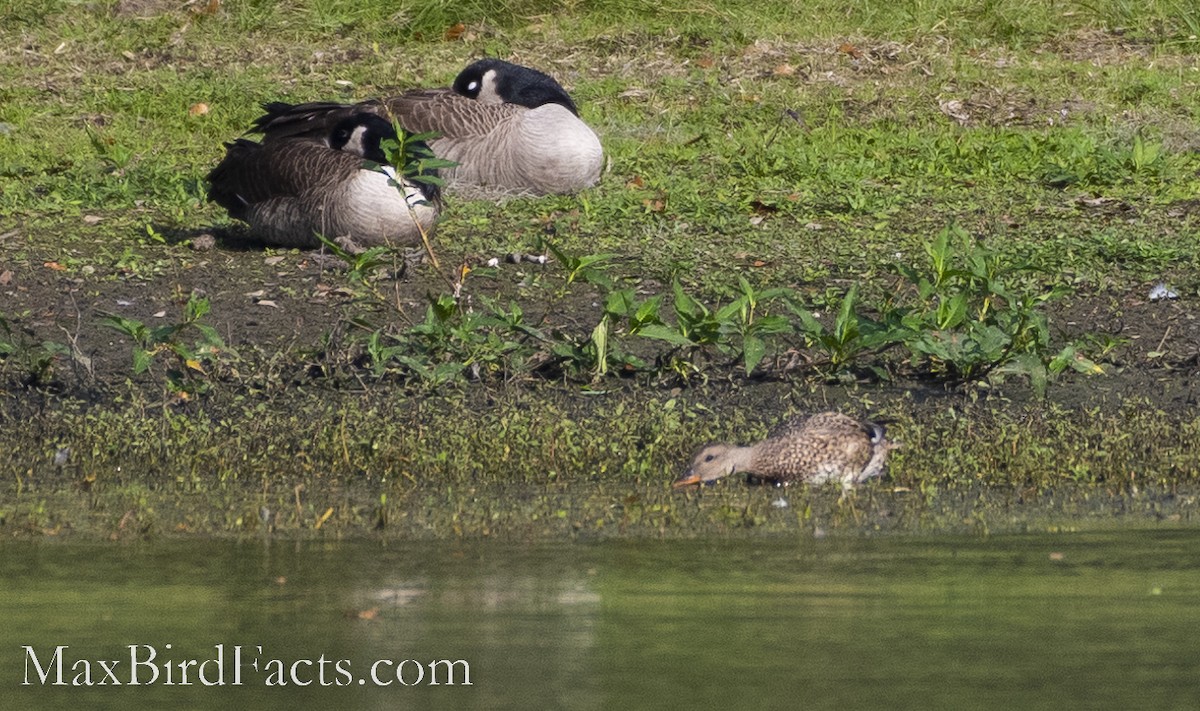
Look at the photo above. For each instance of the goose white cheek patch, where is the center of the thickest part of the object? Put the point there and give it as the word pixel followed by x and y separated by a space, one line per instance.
pixel 489 91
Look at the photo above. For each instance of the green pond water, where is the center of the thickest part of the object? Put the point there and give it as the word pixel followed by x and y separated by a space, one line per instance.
pixel 1088 621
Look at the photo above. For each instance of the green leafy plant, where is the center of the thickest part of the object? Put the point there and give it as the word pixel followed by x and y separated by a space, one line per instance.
pixel 34 360
pixel 589 268
pixel 738 329
pixel 410 155
pixel 622 314
pixel 970 319
pixel 850 336
pixel 454 343
pixel 190 364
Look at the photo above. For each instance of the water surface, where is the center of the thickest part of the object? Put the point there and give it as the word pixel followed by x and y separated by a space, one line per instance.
pixel 1097 620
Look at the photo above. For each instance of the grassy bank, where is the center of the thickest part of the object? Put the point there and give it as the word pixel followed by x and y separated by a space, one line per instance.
pixel 547 465
pixel 932 212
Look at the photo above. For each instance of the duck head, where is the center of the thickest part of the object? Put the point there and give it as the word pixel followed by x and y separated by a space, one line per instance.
pixel 494 81
pixel 710 463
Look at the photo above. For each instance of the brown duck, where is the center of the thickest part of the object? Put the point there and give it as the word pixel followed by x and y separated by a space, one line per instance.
pixel 828 446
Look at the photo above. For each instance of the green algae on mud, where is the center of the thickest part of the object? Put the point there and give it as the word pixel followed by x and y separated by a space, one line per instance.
pixel 551 464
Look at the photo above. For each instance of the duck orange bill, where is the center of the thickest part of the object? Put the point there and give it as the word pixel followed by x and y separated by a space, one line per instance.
pixel 687 479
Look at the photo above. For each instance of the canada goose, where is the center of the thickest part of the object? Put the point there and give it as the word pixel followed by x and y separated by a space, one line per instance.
pixel 511 129
pixel 290 190
pixel 828 446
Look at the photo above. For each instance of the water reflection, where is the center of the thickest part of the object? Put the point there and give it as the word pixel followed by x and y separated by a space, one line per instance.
pixel 1097 620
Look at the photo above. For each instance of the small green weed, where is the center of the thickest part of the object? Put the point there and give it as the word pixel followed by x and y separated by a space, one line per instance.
pixel 852 335
pixel 191 366
pixel 969 318
pixel 35 360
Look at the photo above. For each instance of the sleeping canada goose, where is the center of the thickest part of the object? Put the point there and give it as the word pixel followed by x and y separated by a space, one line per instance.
pixel 511 129
pixel 290 189
pixel 828 446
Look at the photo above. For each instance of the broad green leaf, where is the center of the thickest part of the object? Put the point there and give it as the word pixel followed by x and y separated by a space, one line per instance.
pixel 753 350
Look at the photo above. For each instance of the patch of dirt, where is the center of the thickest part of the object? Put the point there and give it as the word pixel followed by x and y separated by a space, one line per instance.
pixel 996 106
pixel 143 9
pixel 282 306
pixel 1100 48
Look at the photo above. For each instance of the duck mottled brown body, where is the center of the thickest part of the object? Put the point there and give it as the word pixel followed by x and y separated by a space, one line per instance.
pixel 828 446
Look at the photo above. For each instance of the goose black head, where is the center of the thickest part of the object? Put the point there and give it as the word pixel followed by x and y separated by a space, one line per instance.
pixel 495 81
pixel 361 135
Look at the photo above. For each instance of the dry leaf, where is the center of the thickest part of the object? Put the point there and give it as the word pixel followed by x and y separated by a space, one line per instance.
pixel 160 314
pixel 209 8
pixel 257 294
pixel 705 62
pixel 91 219
pixel 324 517
pixel 784 70
pixel 272 261
pixel 267 302
pixel 6 277
pixel 129 55
pixel 654 205
pixel 198 109
pixel 637 182
pixel 55 266
pixel 454 32
pixel 847 48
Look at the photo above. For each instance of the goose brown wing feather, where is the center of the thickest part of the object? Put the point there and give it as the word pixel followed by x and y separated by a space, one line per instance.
pixel 253 173
pixel 449 114
pixel 419 111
